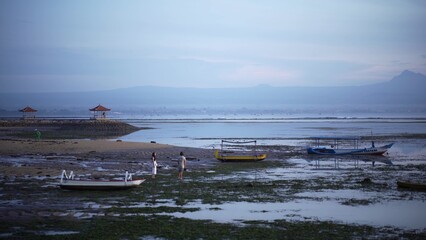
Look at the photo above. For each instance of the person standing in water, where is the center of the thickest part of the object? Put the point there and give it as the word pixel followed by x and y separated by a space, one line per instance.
pixel 154 164
pixel 181 165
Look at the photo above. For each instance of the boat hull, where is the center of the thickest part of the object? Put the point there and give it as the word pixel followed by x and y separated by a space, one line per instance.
pixel 364 151
pixel 236 158
pixel 413 186
pixel 99 185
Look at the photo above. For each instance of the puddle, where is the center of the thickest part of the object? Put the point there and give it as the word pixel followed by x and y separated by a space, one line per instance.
pixel 53 233
pixel 5 235
pixel 93 205
pixel 339 194
pixel 15 202
pixel 402 214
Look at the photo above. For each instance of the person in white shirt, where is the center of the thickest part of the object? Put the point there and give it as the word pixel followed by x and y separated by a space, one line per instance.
pixel 154 164
pixel 181 165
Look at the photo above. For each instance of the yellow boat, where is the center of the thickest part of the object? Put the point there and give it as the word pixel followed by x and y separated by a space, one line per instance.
pixel 237 158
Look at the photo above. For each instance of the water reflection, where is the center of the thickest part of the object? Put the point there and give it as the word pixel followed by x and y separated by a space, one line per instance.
pixel 403 214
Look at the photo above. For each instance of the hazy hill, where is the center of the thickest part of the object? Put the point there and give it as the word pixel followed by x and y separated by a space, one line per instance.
pixel 406 88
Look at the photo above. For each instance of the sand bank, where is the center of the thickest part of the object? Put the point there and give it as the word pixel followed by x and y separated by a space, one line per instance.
pixel 49 157
pixel 64 144
pixel 65 128
pixel 13 147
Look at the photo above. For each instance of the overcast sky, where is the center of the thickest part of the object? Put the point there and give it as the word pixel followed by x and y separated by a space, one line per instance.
pixel 86 45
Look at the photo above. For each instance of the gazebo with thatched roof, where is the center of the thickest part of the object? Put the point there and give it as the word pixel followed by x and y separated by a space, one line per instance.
pixel 99 112
pixel 28 112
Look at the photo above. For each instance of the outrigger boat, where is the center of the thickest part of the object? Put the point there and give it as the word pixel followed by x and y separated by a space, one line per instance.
pixel 335 150
pixel 239 158
pixel 68 182
pixel 228 156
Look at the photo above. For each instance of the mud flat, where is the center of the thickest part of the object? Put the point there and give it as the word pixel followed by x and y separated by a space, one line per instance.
pixel 283 197
pixel 274 199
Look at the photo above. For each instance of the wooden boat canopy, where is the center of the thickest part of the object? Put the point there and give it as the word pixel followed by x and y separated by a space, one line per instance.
pixel 336 138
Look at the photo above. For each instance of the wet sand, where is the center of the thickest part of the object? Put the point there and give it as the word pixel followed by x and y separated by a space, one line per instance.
pixel 61 147
pixel 97 151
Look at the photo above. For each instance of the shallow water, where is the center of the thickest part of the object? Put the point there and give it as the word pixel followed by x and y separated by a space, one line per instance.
pixel 379 204
pixel 208 133
pixel 409 149
pixel 401 214
pixel 54 233
pixel 410 214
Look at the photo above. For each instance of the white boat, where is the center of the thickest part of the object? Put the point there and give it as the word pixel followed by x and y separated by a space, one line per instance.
pixel 335 150
pixel 68 182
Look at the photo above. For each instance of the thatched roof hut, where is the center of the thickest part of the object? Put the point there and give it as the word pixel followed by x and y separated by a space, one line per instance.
pixel 28 112
pixel 99 112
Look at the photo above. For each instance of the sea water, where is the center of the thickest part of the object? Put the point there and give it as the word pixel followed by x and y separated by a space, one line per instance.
pixel 208 132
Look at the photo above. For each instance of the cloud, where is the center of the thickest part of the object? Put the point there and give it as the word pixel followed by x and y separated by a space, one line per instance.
pixel 55 83
pixel 209 60
pixel 238 43
pixel 262 75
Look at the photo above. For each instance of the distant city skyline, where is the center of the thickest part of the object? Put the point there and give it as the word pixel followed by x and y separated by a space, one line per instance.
pixel 64 46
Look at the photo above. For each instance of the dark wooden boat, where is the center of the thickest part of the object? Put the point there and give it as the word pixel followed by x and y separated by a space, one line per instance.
pixel 411 185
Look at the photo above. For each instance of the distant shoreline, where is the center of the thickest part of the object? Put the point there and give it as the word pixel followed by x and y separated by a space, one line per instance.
pixel 222 118
pixel 84 128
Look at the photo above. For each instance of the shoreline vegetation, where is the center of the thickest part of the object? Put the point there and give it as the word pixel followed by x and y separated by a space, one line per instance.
pixel 33 207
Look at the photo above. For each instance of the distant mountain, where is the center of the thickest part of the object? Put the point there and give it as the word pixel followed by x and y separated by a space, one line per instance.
pixel 408 78
pixel 407 88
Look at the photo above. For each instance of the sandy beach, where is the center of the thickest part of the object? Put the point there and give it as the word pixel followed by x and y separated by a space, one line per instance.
pixel 65 139
pixel 90 150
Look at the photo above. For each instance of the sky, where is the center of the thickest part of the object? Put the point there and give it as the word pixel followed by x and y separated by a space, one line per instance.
pixel 81 45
